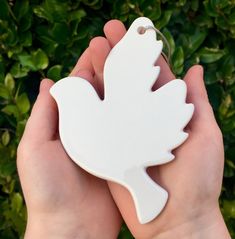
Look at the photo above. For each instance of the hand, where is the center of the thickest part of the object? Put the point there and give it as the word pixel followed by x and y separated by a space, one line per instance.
pixel 63 201
pixel 194 178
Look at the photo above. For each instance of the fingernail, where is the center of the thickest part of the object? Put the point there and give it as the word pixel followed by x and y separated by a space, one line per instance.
pixel 43 85
pixel 201 70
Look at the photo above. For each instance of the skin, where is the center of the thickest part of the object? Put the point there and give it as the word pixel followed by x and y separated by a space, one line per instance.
pixel 63 201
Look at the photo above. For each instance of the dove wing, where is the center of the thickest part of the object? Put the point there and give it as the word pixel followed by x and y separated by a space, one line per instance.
pixel 78 105
pixel 172 114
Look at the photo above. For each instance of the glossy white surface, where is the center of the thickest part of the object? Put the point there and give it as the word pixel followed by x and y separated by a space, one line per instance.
pixel 132 128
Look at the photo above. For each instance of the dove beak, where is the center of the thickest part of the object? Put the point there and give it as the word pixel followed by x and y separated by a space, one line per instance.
pixel 54 91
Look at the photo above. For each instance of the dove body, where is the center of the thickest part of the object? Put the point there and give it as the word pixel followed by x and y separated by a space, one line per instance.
pixel 132 128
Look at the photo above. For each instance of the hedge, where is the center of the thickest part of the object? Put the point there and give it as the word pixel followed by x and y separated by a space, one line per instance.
pixel 45 38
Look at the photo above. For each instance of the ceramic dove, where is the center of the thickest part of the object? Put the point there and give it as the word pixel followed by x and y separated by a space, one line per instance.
pixel 132 128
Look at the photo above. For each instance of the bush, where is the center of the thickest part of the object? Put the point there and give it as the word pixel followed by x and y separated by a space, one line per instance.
pixel 45 38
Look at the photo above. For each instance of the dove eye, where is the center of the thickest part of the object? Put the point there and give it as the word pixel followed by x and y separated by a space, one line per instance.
pixel 141 30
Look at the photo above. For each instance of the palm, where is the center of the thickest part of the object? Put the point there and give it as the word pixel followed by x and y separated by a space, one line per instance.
pixel 193 178
pixel 186 178
pixel 60 183
pixel 53 185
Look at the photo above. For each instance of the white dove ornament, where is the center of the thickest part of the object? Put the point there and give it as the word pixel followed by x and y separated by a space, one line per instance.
pixel 132 128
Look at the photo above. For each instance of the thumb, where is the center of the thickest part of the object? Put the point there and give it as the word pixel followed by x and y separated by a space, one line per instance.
pixel 203 113
pixel 43 121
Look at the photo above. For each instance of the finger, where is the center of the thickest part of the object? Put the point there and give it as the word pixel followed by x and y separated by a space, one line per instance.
pixel 84 69
pixel 165 74
pixel 84 63
pixel 195 81
pixel 86 74
pixel 114 31
pixel 196 94
pixel 43 121
pixel 99 49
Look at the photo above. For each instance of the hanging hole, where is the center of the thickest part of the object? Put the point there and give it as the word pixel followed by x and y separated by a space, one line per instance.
pixel 141 30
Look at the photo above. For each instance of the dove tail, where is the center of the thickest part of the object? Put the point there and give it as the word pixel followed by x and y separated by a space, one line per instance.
pixel 149 197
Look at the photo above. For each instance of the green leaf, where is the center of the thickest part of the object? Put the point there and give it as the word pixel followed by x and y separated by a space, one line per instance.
pixel 77 15
pixel 125 233
pixel 5 137
pixel 231 17
pixel 4 9
pixel 40 59
pixel 222 22
pixel 4 92
pixel 152 11
pixel 11 110
pixel 228 172
pixel 181 3
pixel 230 164
pixel 21 8
pixel 228 66
pixel 9 82
pixel 26 38
pixel 8 187
pixel 203 20
pixel 195 41
pixel 25 22
pixel 20 128
pixel 41 12
pixel 94 4
pixel 169 38
pixel 23 103
pixel 2 70
pixel 52 10
pixel 26 60
pixel 215 92
pixel 60 32
pixel 209 55
pixel 210 77
pixel 44 35
pixel 82 32
pixel 164 19
pixel 19 71
pixel 219 4
pixel 11 37
pixel 178 60
pixel 229 208
pixel 54 72
pixel 17 202
pixel 225 105
pixel 209 9
pixel 195 5
pixel 37 60
pixel 230 154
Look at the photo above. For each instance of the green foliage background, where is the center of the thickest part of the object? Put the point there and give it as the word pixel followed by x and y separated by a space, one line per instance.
pixel 45 38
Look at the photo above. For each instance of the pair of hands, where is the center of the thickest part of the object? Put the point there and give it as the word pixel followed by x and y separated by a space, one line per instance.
pixel 64 201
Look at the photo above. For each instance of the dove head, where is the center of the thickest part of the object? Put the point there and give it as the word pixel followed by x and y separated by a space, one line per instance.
pixel 131 63
pixel 64 92
pixel 139 24
pixel 57 91
pixel 138 32
pixel 69 90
